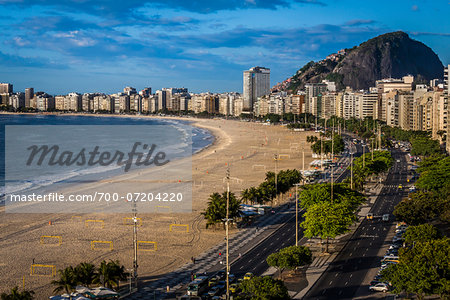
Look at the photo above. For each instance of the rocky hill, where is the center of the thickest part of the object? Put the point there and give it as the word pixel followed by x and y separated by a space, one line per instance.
pixel 389 55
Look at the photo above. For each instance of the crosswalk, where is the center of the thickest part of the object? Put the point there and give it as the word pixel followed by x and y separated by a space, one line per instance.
pixel 206 260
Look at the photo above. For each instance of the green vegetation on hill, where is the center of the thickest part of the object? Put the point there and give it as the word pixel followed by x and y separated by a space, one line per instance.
pixel 392 54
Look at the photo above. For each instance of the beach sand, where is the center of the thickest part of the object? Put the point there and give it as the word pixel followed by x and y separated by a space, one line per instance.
pixel 246 148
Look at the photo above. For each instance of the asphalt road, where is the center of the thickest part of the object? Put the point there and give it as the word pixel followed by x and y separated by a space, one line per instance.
pixel 255 260
pixel 348 271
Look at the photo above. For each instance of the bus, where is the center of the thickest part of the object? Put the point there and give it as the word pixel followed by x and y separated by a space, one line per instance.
pixel 198 286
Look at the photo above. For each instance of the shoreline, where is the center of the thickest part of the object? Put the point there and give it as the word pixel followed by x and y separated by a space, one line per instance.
pixel 246 148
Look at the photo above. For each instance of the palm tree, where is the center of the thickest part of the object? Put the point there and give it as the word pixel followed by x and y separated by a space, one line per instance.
pixel 66 281
pixel 85 274
pixel 16 295
pixel 110 273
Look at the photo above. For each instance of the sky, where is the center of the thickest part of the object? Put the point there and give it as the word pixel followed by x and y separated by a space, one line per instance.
pixel 62 46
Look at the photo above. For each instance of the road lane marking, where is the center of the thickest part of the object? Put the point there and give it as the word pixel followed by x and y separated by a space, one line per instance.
pixel 330 282
pixel 351 275
pixel 346 282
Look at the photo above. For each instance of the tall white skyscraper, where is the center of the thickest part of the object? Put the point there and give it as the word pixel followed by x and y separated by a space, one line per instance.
pixel 256 84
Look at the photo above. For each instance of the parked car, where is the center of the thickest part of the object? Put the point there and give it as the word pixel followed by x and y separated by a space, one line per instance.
pixel 234 287
pixel 213 291
pixel 379 287
pixel 213 281
pixel 248 276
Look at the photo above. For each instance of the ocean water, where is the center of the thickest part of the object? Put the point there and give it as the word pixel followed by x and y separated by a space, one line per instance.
pixel 178 139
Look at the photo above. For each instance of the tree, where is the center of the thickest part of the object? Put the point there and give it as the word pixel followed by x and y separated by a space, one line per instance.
pixel 217 208
pixel 424 146
pixel 328 220
pixel 110 274
pixel 434 174
pixel 16 295
pixel 423 269
pixel 263 288
pixel 315 193
pixel 66 281
pixel 421 207
pixel 421 233
pixel 290 258
pixel 85 273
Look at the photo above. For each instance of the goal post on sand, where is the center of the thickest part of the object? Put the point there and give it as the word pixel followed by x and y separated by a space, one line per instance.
pixel 163 209
pixel 259 167
pixel 48 237
pixel 284 156
pixel 186 226
pixel 126 221
pixel 51 267
pixel 87 222
pixel 110 243
pixel 141 246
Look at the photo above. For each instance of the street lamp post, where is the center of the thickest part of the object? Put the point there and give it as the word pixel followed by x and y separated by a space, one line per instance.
pixel 296 213
pixel 135 260
pixel 227 234
pixel 351 170
pixel 276 177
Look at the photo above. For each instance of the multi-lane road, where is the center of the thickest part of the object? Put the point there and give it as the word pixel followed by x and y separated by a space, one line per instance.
pixel 350 269
pixel 255 259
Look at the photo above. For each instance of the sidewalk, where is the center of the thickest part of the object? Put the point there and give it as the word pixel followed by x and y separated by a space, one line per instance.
pixel 321 263
pixel 239 243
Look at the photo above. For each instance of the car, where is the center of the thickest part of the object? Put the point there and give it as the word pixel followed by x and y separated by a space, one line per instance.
pixel 397 239
pixel 248 276
pixel 213 291
pixel 231 278
pixel 234 287
pixel 221 274
pixel 385 218
pixel 379 287
pixel 400 186
pixel 369 216
pixel 213 281
pixel 393 252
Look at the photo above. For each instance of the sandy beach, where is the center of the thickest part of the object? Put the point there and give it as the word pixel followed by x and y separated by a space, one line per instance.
pixel 246 148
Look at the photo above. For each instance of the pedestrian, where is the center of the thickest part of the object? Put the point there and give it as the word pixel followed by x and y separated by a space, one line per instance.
pixel 33 261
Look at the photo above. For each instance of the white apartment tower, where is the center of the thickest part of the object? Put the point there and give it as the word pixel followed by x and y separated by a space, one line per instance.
pixel 256 84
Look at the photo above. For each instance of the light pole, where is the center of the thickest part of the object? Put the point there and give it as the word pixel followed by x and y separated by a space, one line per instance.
pixel 275 157
pixel 332 159
pixel 135 262
pixel 351 170
pixel 296 213
pixel 227 235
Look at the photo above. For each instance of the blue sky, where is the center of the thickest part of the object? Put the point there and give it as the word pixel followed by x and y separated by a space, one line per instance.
pixel 61 46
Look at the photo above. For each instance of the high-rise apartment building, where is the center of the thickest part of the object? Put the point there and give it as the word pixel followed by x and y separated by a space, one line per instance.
pixel 446 101
pixel 6 88
pixel 313 97
pixel 29 94
pixel 256 84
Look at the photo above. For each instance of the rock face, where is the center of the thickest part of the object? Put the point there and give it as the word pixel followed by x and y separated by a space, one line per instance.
pixel 389 55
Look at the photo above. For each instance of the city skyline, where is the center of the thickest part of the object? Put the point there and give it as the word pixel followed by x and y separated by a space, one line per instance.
pixel 89 47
